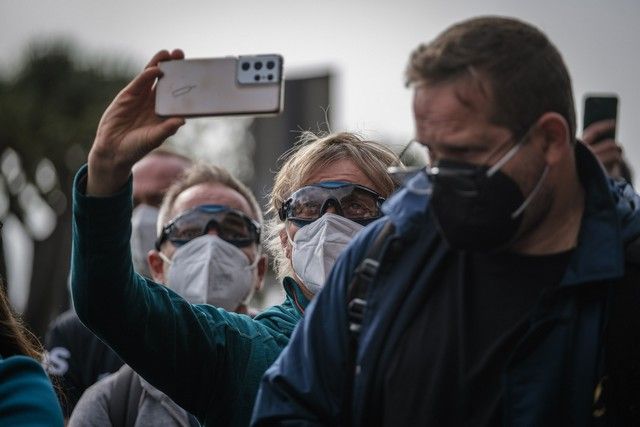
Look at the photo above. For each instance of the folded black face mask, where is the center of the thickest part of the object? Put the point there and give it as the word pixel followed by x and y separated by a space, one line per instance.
pixel 478 207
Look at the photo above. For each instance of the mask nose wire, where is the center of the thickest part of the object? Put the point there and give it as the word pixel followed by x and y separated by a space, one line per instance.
pixel 289 238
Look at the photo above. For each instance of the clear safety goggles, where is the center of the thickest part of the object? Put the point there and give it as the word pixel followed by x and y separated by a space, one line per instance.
pixel 352 201
pixel 231 225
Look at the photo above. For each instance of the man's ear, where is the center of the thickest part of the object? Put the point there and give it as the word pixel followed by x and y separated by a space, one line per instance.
pixel 557 141
pixel 284 241
pixel 263 265
pixel 156 266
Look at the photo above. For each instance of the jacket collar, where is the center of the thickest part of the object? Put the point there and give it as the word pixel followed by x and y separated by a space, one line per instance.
pixel 600 251
pixel 294 293
pixel 408 207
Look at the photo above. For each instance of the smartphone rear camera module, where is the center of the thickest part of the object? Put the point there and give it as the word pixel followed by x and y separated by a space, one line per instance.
pixel 259 70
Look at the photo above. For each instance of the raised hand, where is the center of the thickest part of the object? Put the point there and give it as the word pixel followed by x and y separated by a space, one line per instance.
pixel 129 129
pixel 608 151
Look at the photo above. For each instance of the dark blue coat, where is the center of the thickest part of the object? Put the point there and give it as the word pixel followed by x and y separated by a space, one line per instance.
pixel 552 373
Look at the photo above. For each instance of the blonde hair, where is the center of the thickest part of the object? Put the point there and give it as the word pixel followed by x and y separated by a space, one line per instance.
pixel 313 152
pixel 202 173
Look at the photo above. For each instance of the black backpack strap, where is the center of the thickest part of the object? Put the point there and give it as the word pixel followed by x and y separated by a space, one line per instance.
pixel 622 345
pixel 356 306
pixel 125 398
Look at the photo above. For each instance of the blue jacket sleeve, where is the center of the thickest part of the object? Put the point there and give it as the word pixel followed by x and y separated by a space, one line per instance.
pixel 26 394
pixel 305 384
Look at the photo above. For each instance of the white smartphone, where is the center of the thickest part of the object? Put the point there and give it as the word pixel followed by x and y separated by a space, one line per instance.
pixel 243 85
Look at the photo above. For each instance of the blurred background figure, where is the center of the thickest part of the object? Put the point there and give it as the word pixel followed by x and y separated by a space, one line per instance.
pixel 75 356
pixel 152 177
pixel 608 151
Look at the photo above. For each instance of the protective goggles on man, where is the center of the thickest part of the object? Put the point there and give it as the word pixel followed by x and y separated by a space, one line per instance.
pixel 352 201
pixel 232 226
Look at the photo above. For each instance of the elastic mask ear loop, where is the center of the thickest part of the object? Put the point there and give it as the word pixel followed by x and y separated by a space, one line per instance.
pixel 165 258
pixel 503 161
pixel 531 195
pixel 286 230
pixel 256 260
pixel 246 300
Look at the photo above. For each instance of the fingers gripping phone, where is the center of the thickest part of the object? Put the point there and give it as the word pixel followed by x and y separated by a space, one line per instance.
pixel 598 108
pixel 244 85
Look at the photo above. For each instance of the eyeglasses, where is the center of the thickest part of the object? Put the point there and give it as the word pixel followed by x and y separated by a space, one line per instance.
pixel 352 201
pixel 232 226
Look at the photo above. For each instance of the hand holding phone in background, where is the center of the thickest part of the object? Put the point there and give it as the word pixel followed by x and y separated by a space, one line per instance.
pixel 599 130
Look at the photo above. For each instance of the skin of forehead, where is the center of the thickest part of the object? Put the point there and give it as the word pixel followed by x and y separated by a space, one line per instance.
pixel 340 170
pixel 210 194
pixel 456 113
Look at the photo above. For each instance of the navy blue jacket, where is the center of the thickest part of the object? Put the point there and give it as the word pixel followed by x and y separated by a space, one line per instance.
pixel 552 373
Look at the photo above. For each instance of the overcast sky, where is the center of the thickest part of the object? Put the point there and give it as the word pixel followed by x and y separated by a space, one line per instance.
pixel 365 42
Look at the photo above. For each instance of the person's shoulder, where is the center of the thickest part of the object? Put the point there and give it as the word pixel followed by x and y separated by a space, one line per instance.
pixel 285 311
pixel 23 375
pixel 93 407
pixel 279 319
pixel 16 365
pixel 100 390
pixel 24 385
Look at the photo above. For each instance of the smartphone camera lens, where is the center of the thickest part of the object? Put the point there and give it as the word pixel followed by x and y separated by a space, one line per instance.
pixel 257 77
pixel 270 77
pixel 257 65
pixel 270 65
pixel 245 66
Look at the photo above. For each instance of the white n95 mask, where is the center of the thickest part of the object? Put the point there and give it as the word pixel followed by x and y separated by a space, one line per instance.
pixel 143 236
pixel 317 246
pixel 208 270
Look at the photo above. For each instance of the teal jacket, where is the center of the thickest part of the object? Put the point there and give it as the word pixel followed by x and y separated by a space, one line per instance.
pixel 26 394
pixel 208 360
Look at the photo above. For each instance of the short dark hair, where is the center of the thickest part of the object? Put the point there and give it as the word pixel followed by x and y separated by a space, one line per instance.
pixel 525 71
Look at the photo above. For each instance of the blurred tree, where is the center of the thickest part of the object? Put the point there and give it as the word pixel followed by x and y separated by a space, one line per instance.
pixel 49 111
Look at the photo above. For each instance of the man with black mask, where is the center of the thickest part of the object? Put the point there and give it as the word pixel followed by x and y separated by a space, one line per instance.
pixel 502 266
